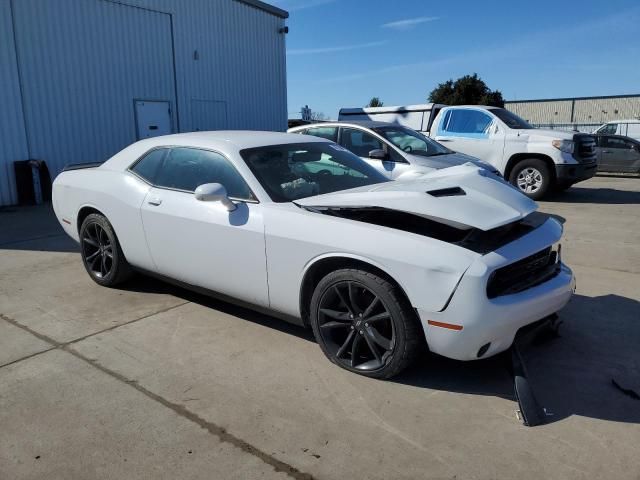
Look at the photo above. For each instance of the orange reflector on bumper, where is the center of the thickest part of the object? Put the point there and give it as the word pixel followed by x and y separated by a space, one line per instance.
pixel 450 326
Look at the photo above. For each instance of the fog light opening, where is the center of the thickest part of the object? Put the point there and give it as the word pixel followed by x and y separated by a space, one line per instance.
pixel 483 349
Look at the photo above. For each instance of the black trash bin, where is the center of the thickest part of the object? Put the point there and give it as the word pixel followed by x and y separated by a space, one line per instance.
pixel 33 181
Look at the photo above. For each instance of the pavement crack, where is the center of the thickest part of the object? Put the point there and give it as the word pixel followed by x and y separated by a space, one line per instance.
pixel 220 432
pixel 114 327
pixel 27 357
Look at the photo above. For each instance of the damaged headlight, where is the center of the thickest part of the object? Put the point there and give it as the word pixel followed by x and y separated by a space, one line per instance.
pixel 564 145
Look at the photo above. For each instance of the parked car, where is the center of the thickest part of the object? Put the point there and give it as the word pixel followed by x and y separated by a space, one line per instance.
pixel 373 266
pixel 629 128
pixel 395 151
pixel 619 154
pixel 532 159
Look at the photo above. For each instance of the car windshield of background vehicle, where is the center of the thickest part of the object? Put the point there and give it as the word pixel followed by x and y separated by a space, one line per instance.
pixel 299 170
pixel 511 119
pixel 412 142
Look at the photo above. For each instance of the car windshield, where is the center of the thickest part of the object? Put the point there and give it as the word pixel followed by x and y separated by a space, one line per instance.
pixel 411 141
pixel 299 170
pixel 511 119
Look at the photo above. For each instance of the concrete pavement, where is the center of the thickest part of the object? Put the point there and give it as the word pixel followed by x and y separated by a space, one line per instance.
pixel 151 381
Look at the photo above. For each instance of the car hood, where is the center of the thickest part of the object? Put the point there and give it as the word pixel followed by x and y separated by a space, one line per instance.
pixel 464 196
pixel 546 133
pixel 450 160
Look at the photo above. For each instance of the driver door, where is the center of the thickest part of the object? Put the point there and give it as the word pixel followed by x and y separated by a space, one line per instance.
pixel 618 155
pixel 473 132
pixel 200 242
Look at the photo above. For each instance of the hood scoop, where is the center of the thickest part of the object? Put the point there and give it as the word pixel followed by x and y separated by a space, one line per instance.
pixel 447 192
pixel 463 197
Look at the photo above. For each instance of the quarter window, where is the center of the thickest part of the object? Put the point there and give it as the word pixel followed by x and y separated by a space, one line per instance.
pixel 147 167
pixel 466 123
pixel 330 133
pixel 359 142
pixel 187 168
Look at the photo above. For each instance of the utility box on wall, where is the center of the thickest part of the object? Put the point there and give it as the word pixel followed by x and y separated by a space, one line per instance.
pixel 82 79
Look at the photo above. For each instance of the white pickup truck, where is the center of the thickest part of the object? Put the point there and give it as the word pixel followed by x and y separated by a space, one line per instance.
pixel 532 159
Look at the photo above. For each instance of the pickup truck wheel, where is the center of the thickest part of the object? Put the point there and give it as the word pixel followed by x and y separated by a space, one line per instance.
pixel 532 177
pixel 101 253
pixel 363 323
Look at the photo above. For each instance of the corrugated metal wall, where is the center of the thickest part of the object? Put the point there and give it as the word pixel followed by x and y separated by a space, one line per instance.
pixel 83 62
pixel 578 110
pixel 13 142
pixel 79 105
pixel 542 112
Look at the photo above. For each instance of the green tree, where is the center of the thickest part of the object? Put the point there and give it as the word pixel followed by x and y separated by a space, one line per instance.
pixel 467 90
pixel 375 102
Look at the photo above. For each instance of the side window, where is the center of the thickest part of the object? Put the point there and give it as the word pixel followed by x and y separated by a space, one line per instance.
pixel 359 142
pixel 466 123
pixel 187 168
pixel 147 166
pixel 330 133
pixel 620 143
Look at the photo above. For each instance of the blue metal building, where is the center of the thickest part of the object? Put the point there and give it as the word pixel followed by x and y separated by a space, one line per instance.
pixel 81 79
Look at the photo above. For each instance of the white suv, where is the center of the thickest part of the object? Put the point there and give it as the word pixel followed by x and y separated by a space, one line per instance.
pixel 395 151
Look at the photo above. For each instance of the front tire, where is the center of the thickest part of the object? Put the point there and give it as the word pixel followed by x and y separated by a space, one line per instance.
pixel 364 324
pixel 532 177
pixel 101 253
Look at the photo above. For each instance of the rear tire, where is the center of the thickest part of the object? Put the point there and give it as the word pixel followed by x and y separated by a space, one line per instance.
pixel 364 324
pixel 101 253
pixel 532 177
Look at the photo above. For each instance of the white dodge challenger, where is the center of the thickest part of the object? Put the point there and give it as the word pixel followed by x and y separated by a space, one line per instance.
pixel 298 226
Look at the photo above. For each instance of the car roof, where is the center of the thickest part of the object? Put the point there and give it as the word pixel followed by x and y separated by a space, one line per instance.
pixel 227 142
pixel 630 120
pixel 240 139
pixel 353 123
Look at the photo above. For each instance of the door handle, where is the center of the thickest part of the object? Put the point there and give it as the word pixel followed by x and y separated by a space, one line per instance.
pixel 443 140
pixel 155 201
pixel 606 151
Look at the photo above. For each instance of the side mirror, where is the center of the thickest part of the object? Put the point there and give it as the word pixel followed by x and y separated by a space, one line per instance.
pixel 214 192
pixel 378 154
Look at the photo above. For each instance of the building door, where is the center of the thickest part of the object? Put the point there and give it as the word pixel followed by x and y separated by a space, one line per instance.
pixel 153 118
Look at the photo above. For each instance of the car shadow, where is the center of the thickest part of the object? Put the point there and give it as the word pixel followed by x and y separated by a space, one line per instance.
pixel 595 195
pixel 33 228
pixel 571 373
pixel 146 284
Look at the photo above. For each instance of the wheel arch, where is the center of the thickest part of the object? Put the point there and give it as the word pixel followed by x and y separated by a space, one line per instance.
pixel 84 212
pixel 519 157
pixel 319 267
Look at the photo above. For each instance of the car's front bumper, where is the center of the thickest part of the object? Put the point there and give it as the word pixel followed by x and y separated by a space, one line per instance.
pixel 570 173
pixel 472 320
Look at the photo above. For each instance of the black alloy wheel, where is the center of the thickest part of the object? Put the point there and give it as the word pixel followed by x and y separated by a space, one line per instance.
pixel 101 253
pixel 364 324
pixel 97 250
pixel 356 326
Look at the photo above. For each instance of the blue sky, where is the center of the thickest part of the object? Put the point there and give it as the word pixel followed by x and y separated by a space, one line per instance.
pixel 343 52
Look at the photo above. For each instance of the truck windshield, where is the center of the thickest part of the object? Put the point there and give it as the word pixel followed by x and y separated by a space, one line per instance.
pixel 511 119
pixel 411 141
